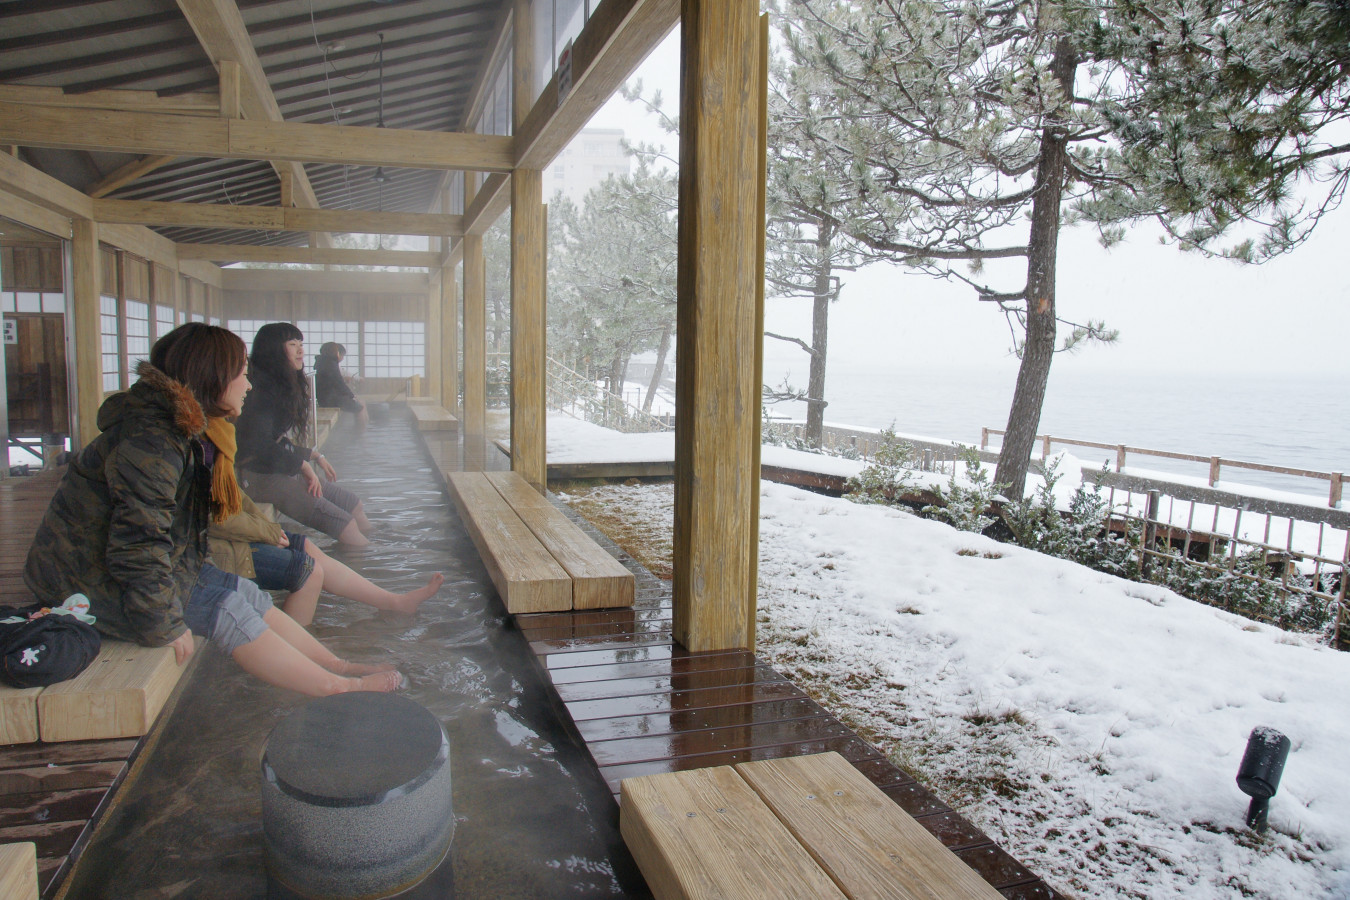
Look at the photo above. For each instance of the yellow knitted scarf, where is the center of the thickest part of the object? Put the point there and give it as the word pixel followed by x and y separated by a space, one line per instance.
pixel 226 498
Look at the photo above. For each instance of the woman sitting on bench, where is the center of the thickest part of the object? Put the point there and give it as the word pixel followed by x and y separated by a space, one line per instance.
pixel 252 546
pixel 274 470
pixel 127 525
pixel 330 388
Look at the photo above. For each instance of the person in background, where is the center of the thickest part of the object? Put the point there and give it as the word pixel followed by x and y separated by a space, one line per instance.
pixel 273 468
pixel 330 388
pixel 127 525
pixel 252 546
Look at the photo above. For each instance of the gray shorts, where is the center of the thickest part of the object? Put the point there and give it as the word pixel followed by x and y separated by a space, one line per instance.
pixel 288 493
pixel 226 609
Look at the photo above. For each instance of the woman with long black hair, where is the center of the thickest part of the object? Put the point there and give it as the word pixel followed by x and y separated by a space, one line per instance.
pixel 276 469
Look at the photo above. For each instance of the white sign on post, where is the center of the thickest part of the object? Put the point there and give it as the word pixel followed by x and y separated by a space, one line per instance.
pixel 564 76
pixel 11 331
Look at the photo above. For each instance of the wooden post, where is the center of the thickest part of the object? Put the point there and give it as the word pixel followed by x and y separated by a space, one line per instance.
pixel 1150 531
pixel 1214 464
pixel 85 288
pixel 529 322
pixel 1120 457
pixel 529 314
pixel 449 341
pixel 984 438
pixel 475 336
pixel 758 373
pixel 1045 447
pixel 717 394
pixel 435 334
pixel 1337 478
pixel 229 89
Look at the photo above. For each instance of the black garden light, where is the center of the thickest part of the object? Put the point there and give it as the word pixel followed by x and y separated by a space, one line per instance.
pixel 1259 774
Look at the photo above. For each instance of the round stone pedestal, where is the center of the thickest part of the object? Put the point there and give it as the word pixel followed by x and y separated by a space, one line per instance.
pixel 356 796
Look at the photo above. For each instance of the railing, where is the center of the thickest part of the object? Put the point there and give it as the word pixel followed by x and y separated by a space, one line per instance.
pixel 578 396
pixel 1216 463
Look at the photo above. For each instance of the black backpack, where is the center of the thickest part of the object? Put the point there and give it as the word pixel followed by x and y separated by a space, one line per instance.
pixel 36 652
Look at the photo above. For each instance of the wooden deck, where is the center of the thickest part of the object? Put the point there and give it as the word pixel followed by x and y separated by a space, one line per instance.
pixel 641 705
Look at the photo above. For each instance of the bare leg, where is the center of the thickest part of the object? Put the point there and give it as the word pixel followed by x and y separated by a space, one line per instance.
pixel 359 517
pixel 300 605
pixel 363 417
pixel 352 535
pixel 341 580
pixel 273 659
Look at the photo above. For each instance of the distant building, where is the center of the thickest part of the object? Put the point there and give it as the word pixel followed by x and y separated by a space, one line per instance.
pixel 594 155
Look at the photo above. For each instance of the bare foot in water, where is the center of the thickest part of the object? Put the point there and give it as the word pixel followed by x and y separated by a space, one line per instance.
pixel 408 603
pixel 383 682
pixel 343 667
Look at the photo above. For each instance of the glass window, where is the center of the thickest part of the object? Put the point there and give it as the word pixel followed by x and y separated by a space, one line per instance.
pixel 29 301
pixel 163 320
pixel 53 303
pixel 6 301
pixel 246 329
pixel 138 336
pixel 348 334
pixel 110 343
pixel 394 349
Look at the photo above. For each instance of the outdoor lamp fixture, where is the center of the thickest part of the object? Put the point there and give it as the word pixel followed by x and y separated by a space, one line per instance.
pixel 1259 774
pixel 379 177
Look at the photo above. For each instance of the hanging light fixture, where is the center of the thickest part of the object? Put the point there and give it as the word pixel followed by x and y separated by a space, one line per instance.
pixel 380 177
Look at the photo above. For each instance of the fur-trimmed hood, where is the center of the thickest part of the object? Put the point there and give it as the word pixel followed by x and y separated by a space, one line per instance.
pixel 155 394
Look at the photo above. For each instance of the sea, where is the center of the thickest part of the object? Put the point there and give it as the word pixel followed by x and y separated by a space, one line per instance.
pixel 1283 420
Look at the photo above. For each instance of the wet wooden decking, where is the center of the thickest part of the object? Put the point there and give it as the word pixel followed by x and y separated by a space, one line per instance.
pixel 641 705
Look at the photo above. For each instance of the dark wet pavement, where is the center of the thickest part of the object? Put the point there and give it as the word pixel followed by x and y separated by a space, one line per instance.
pixel 534 818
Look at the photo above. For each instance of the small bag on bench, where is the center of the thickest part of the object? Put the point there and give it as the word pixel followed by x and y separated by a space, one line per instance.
pixel 41 645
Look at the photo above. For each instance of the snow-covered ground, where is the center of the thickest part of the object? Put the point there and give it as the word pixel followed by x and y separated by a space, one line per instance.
pixel 1091 725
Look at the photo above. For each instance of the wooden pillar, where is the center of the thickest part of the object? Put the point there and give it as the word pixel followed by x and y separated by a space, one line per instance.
pixel 449 341
pixel 85 288
pixel 717 392
pixel 475 336
pixel 529 314
pixel 435 334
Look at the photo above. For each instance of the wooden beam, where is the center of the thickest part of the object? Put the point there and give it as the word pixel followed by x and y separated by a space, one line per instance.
pixel 716 392
pixel 267 280
pixel 230 104
pixel 128 173
pixel 272 218
pixel 85 289
pixel 136 132
pixel 197 104
pixel 223 36
pixel 475 336
pixel 202 270
pixel 615 40
pixel 318 256
pixel 22 180
pixel 449 341
pixel 140 242
pixel 34 216
pixel 488 204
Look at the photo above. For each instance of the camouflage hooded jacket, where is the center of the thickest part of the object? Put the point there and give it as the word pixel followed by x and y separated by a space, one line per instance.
pixel 127 526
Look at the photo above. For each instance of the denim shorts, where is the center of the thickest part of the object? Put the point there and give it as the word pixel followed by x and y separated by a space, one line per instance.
pixel 282 568
pixel 226 609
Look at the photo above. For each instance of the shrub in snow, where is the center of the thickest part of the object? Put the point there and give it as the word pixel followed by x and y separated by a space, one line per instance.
pixel 965 503
pixel 889 476
pixel 1079 533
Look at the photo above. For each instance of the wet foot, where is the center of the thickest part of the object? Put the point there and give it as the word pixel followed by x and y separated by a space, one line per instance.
pixel 383 682
pixel 408 603
pixel 343 667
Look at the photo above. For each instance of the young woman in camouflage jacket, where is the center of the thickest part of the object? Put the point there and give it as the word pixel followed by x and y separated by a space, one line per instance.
pixel 127 526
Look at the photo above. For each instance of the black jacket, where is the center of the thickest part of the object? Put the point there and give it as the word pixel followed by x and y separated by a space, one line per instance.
pixel 330 389
pixel 262 428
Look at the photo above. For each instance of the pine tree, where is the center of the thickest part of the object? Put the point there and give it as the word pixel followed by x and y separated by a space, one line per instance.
pixel 971 131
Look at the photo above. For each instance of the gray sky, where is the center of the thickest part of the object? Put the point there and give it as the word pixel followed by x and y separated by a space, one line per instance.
pixel 1175 311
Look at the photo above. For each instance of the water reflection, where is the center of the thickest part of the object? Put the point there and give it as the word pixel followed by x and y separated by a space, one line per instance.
pixel 534 817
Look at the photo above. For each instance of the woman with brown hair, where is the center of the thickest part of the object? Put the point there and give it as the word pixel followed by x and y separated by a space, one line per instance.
pixel 127 525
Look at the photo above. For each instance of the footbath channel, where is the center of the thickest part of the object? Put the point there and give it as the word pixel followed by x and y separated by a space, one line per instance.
pixel 533 817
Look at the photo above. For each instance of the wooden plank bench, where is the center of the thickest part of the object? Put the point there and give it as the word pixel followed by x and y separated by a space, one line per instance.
pixel 526 575
pixel 18 871
pixel 119 695
pixel 599 581
pixel 432 417
pixel 807 826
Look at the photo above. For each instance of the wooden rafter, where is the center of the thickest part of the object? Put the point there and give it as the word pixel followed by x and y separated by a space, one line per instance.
pixel 127 174
pixel 194 104
pixel 272 218
pixel 319 256
pixel 152 133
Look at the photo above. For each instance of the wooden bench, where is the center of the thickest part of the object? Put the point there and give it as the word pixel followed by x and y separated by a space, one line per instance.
pixel 432 417
pixel 119 695
pixel 18 871
pixel 807 827
pixel 538 559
